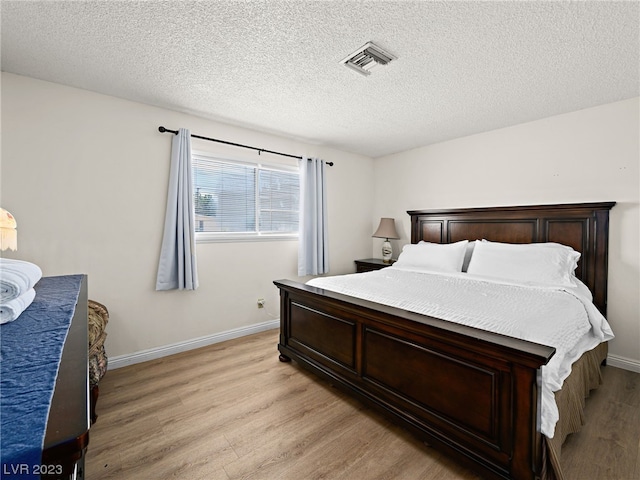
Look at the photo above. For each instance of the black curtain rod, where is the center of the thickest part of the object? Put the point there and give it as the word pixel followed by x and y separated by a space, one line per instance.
pixel 163 130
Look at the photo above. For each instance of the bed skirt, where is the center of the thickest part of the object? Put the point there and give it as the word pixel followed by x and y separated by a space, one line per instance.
pixel 586 375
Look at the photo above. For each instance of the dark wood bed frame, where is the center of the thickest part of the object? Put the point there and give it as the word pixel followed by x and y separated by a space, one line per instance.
pixel 469 392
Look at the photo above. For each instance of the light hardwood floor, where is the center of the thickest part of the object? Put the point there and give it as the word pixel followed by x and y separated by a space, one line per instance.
pixel 233 411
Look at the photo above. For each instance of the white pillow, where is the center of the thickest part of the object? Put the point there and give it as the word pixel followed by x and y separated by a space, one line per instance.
pixel 439 257
pixel 541 263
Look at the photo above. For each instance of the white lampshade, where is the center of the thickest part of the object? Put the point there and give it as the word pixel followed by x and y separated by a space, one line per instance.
pixel 386 229
pixel 8 231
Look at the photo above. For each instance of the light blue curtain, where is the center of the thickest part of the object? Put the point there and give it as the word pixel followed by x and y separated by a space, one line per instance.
pixel 177 266
pixel 313 239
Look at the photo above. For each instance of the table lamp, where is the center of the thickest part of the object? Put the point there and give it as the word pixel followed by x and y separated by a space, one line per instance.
pixel 386 230
pixel 8 231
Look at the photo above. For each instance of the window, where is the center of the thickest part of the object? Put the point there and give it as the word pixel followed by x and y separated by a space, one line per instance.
pixel 240 200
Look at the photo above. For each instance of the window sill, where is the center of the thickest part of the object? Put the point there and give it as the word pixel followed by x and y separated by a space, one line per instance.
pixel 213 238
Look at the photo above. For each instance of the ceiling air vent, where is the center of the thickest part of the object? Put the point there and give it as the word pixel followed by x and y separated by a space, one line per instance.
pixel 367 58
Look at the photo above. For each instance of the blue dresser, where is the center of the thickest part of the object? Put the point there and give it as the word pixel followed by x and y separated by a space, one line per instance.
pixel 44 414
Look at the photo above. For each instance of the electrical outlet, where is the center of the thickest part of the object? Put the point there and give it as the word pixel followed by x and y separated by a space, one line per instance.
pixel 261 302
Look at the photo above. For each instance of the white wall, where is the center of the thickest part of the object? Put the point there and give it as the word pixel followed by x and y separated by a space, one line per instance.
pixel 584 156
pixel 86 177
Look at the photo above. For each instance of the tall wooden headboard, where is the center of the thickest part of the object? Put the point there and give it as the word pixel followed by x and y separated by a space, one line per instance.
pixel 582 226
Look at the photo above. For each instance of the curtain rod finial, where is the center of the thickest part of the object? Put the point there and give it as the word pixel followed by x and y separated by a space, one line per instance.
pixel 161 129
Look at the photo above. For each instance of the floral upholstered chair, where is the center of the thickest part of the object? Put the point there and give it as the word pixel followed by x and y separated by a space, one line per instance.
pixel 98 318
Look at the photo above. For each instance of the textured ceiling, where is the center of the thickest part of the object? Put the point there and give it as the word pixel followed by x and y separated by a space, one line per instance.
pixel 462 67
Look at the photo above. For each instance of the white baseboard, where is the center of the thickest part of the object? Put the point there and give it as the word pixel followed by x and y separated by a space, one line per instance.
pixel 165 350
pixel 624 363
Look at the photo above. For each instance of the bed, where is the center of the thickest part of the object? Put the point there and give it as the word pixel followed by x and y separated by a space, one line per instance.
pixel 425 373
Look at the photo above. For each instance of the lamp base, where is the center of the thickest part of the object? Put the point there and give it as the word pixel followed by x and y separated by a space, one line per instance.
pixel 386 251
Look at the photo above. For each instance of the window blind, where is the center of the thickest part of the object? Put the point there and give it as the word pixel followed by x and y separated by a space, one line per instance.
pixel 243 198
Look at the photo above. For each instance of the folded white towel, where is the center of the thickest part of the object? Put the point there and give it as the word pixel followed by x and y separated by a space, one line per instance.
pixel 16 278
pixel 11 310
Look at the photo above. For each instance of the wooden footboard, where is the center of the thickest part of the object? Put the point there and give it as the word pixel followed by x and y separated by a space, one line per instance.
pixel 471 393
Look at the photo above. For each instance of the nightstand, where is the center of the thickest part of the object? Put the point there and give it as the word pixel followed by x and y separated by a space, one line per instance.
pixel 369 264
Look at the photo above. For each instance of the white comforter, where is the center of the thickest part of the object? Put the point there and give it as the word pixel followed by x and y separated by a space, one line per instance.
pixel 563 318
